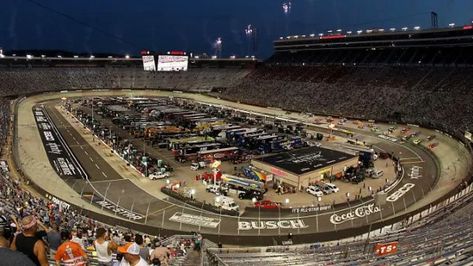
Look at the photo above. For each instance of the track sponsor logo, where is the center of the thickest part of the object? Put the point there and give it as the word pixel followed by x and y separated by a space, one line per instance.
pixel 119 210
pixel 45 126
pixel 359 212
pixel 415 172
pixel 60 203
pixel 310 209
pixel 48 135
pixel 381 249
pixel 271 225
pixel 400 192
pixel 56 149
pixel 64 166
pixel 53 148
pixel 195 220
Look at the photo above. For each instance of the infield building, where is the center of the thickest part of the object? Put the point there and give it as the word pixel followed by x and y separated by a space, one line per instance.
pixel 301 167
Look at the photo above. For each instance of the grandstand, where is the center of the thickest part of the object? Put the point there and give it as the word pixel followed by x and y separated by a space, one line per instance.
pixel 390 79
pixel 422 78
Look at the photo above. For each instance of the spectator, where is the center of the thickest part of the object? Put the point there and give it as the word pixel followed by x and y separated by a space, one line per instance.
pixel 54 239
pixel 131 255
pixel 77 237
pixel 144 250
pixel 9 257
pixel 104 247
pixel 161 254
pixel 69 252
pixel 28 242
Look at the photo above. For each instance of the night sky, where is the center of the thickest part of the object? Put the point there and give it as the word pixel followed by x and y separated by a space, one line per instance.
pixel 119 26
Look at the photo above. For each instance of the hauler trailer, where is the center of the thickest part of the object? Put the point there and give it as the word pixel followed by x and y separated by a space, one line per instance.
pixel 176 144
pixel 241 183
pixel 218 154
pixel 191 152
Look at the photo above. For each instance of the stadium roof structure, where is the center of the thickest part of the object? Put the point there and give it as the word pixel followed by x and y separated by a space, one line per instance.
pixel 457 36
pixel 306 160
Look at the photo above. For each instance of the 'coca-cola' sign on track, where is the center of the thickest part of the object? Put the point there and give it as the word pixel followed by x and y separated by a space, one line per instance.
pixel 359 212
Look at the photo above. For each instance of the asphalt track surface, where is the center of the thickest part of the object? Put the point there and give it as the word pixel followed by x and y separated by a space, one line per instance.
pixel 104 180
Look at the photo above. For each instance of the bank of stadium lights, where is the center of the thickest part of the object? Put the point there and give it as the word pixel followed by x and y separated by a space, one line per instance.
pixel 92 57
pixel 286 7
pixel 359 31
pixel 312 35
pixel 28 56
pixel 59 56
pixel 76 56
pixel 127 56
pixel 339 30
pixel 416 28
pixel 404 28
pixel 321 34
pixel 451 25
pixel 249 30
pixel 349 32
pixel 392 29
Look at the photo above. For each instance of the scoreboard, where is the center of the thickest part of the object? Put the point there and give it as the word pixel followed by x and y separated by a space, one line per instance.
pixel 148 63
pixel 173 62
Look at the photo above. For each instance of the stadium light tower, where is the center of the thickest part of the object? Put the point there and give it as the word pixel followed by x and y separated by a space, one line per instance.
pixel 250 32
pixel 286 7
pixel 218 47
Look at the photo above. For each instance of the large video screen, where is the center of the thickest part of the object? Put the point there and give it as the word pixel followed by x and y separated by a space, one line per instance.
pixel 148 63
pixel 172 63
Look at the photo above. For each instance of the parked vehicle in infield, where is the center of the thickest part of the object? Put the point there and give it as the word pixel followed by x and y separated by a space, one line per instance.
pixel 197 166
pixel 416 141
pixel 216 189
pixel 377 173
pixel 329 188
pixel 267 204
pixel 159 175
pixel 226 203
pixel 315 191
pixel 250 194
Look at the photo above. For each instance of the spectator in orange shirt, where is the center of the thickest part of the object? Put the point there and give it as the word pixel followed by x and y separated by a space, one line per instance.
pixel 70 253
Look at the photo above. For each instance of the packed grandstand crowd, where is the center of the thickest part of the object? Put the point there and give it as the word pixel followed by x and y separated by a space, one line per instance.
pixel 41 79
pixel 26 217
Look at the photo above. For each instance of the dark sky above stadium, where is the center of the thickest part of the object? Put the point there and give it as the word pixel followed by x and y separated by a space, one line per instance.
pixel 120 26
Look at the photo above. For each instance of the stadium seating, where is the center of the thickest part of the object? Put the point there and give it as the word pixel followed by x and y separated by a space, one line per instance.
pixel 435 97
pixel 16 201
pixel 30 80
